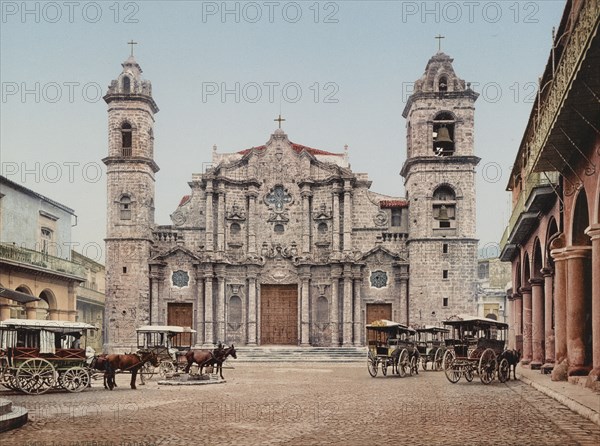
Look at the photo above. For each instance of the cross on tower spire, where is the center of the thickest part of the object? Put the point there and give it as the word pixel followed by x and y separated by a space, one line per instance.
pixel 439 38
pixel 132 43
pixel 280 120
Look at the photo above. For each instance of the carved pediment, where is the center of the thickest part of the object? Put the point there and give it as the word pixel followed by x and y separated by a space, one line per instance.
pixel 379 254
pixel 175 252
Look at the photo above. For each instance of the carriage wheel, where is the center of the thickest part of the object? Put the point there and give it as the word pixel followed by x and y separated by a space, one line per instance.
pixel 9 380
pixel 414 366
pixel 384 367
pixel 468 373
pixel 147 372
pixel 437 360
pixel 403 363
pixel 423 361
pixel 503 371
pixel 487 366
pixel 74 379
pixel 35 376
pixel 372 366
pixel 448 358
pixel 166 368
pixel 452 370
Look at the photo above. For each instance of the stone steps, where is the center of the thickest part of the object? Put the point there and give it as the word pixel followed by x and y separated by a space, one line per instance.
pixel 11 416
pixel 301 354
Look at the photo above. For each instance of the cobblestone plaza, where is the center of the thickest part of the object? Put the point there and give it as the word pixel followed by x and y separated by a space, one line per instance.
pixel 304 404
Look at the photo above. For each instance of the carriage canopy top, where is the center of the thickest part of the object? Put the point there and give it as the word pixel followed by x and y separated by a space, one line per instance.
pixel 384 325
pixel 42 324
pixel 17 296
pixel 164 329
pixel 432 330
pixel 464 319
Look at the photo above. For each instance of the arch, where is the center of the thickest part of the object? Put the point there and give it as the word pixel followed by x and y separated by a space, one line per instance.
pixel 537 259
pixel 517 283
pixel 550 233
pixel 597 213
pixel 457 190
pixel 444 115
pixel 125 205
pixel 491 316
pixel 44 306
pixel 442 83
pixel 235 229
pixel 19 310
pixel 24 289
pixel 444 192
pixel 49 296
pixel 580 221
pixel 443 133
pixel 126 84
pixel 126 138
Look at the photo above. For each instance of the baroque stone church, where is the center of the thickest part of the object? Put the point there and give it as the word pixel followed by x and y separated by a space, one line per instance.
pixel 285 244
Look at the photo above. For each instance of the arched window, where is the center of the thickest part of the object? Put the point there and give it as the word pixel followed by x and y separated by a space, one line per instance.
pixel 443 84
pixel 443 134
pixel 126 84
pixel 322 228
pixel 125 207
pixel 46 236
pixel 126 138
pixel 235 229
pixel 444 207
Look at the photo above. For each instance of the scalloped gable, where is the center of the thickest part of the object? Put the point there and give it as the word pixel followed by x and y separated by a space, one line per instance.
pixel 174 250
pixel 383 250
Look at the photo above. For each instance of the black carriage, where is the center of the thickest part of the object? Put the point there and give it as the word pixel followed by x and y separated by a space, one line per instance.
pixel 391 344
pixel 474 346
pixel 38 355
pixel 170 343
pixel 432 346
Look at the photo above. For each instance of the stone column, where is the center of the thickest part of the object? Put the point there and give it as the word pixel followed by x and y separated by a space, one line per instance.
pixel 31 310
pixel 527 344
pixel 220 304
pixel 548 329
pixel 156 279
pixel 347 306
pixel 511 322
pixel 518 318
pixel 537 325
pixel 252 194
pixel 306 194
pixel 335 245
pixel 335 327
pixel 304 313
pixel 221 219
pixel 209 332
pixel 576 312
pixel 358 325
pixel 53 315
pixel 594 232
pixel 199 306
pixel 209 217
pixel 560 303
pixel 403 299
pixel 251 306
pixel 347 216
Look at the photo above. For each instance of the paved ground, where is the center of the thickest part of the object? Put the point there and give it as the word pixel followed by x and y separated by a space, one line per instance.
pixel 303 404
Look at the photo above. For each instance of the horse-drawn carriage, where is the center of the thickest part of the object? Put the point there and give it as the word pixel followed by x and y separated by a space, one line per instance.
pixel 38 355
pixel 476 346
pixel 431 345
pixel 391 344
pixel 169 343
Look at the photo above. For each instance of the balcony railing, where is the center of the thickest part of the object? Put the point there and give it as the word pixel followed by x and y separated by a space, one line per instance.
pixel 40 260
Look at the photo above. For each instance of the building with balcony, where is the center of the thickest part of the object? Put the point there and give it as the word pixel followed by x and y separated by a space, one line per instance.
pixel 90 297
pixel 35 254
pixel 553 236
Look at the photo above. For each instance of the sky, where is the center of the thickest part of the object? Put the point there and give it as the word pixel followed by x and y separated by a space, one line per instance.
pixel 339 73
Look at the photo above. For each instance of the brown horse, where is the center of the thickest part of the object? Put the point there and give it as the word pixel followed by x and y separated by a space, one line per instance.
pixel 100 363
pixel 128 363
pixel 205 358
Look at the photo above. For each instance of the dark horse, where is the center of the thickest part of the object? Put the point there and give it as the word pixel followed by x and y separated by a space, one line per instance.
pixel 132 362
pixel 513 357
pixel 205 358
pixel 99 363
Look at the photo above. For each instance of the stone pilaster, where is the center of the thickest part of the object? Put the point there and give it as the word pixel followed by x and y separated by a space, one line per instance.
pixel 347 306
pixel 347 216
pixel 4 309
pixel 220 303
pixel 304 312
pixel 306 213
pixel 358 324
pixel 221 219
pixel 200 332
pixel 209 331
pixel 335 324
pixel 209 218
pixel 252 194
pixel 335 245
pixel 594 232
pixel 510 303
pixel 576 256
pixel 537 323
pixel 251 330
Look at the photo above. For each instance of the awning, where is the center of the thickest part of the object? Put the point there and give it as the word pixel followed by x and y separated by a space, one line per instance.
pixel 17 296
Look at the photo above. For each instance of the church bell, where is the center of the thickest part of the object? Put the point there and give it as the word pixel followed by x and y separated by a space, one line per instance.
pixel 443 213
pixel 443 136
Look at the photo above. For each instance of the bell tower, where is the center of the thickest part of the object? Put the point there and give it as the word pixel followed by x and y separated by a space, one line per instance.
pixel 130 170
pixel 439 177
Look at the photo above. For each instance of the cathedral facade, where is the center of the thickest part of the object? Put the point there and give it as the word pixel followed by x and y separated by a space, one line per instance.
pixel 284 244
